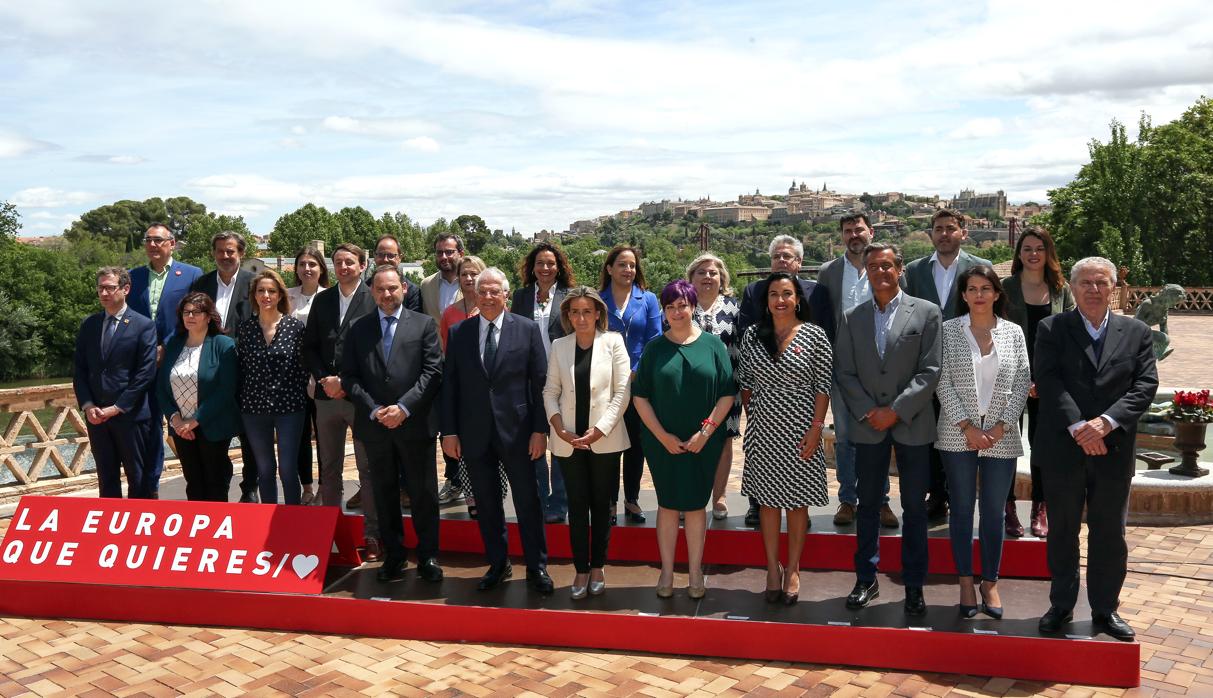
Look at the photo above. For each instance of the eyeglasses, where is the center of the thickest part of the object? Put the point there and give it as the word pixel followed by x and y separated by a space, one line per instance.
pixel 107 288
pixel 156 241
pixel 784 257
pixel 192 313
pixel 446 253
pixel 1101 284
pixel 386 255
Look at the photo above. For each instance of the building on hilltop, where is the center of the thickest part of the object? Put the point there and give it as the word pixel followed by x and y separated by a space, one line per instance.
pixel 736 213
pixel 968 201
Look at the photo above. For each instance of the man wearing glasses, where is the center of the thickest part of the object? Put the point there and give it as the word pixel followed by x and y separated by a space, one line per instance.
pixel 387 251
pixel 787 255
pixel 156 290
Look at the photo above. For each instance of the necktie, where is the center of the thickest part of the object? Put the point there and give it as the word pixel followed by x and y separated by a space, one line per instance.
pixel 1097 345
pixel 389 333
pixel 111 325
pixel 490 347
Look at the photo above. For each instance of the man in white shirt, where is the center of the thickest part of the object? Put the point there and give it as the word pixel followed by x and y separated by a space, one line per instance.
pixel 438 291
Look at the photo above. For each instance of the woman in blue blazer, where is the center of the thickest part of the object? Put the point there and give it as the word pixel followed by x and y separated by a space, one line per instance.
pixel 196 385
pixel 634 313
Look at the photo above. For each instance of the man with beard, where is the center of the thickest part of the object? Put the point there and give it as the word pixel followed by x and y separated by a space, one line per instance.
pixel 438 291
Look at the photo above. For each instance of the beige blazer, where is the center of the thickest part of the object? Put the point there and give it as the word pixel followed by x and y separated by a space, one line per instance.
pixel 610 371
pixel 430 299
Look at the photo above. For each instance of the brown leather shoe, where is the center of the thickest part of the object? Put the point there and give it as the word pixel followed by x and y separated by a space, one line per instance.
pixel 1040 520
pixel 845 515
pixel 372 552
pixel 887 518
pixel 1014 528
pixel 405 502
pixel 354 502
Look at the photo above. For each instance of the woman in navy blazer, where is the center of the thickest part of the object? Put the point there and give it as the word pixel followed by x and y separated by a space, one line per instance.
pixel 196 385
pixel 634 313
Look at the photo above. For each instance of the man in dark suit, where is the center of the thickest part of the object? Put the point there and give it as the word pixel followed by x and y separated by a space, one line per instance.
pixel 333 314
pixel 1096 376
pixel 228 286
pixel 156 290
pixel 787 254
pixel 115 361
pixel 934 279
pixel 391 366
pixel 492 413
pixel 888 358
pixel 387 251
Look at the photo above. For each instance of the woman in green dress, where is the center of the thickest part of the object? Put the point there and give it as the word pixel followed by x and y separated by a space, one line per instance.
pixel 683 391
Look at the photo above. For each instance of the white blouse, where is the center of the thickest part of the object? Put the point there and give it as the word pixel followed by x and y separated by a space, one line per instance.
pixel 541 317
pixel 183 379
pixel 301 305
pixel 985 368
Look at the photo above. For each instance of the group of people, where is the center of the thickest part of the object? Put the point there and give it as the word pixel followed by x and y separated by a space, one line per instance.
pixel 933 361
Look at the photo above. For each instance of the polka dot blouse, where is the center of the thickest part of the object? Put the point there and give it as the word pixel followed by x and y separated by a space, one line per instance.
pixel 272 377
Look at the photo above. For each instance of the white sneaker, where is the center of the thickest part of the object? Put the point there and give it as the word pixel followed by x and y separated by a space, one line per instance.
pixel 450 492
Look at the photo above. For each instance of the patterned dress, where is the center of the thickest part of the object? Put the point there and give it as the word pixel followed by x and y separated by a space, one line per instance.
pixel 721 320
pixel 781 410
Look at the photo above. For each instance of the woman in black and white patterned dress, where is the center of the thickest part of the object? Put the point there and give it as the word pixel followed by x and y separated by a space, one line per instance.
pixel 785 376
pixel 716 313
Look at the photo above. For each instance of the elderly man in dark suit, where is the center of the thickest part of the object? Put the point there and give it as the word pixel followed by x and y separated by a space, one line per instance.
pixel 228 286
pixel 934 279
pixel 888 358
pixel 493 413
pixel 333 315
pixel 115 362
pixel 787 255
pixel 1096 376
pixel 391 367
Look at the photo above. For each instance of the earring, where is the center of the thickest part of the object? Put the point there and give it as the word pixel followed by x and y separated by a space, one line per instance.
pixel 798 307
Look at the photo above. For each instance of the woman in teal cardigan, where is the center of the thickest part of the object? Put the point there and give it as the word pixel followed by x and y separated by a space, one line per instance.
pixel 196 385
pixel 1035 290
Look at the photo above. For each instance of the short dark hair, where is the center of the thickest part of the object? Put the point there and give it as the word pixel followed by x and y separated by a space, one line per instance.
pixel 384 268
pixel 352 249
pixel 679 289
pixel 987 272
pixel 202 302
pixel 852 217
pixel 124 276
pixel 387 237
pixel 881 247
pixel 228 235
pixel 449 236
pixel 961 219
pixel 158 224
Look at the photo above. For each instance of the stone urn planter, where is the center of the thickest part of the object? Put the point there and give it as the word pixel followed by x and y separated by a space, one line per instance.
pixel 1190 441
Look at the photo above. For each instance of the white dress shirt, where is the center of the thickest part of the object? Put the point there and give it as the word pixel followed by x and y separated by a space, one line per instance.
pixel 944 277
pixel 446 292
pixel 380 314
pixel 343 303
pixel 542 316
pixel 855 287
pixel 985 366
pixel 223 296
pixel 484 332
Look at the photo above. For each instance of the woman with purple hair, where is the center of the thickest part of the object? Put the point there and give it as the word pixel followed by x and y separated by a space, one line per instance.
pixel 683 392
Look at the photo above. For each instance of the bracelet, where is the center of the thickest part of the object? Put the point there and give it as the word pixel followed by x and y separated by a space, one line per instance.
pixel 708 421
pixel 818 423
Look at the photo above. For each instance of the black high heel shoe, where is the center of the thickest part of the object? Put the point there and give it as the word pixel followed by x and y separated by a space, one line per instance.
pixel 776 594
pixel 633 517
pixel 967 611
pixel 789 598
pixel 994 612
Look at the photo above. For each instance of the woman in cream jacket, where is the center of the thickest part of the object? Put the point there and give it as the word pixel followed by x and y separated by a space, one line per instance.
pixel 585 396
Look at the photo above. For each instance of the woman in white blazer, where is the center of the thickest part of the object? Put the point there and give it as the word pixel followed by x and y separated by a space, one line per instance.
pixel 585 397
pixel 983 386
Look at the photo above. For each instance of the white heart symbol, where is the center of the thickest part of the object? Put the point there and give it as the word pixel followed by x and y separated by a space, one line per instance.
pixel 304 564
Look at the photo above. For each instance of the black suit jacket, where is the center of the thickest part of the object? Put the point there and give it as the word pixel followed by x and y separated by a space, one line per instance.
pixel 821 308
pixel 241 307
pixel 411 376
pixel 524 305
pixel 505 401
pixel 123 375
pixel 324 338
pixel 1073 387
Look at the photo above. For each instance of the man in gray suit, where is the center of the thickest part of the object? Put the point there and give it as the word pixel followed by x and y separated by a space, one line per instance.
pixel 888 361
pixel 847 280
pixel 934 279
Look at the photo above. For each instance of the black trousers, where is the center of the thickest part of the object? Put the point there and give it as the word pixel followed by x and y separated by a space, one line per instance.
pixel 590 480
pixel 206 467
pixel 1103 487
pixel 938 489
pixel 1038 485
pixel 248 466
pixel 305 443
pixel 486 486
pixel 412 460
pixel 633 457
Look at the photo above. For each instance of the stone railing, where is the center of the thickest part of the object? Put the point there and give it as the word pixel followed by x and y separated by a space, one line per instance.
pixel 39 421
pixel 1198 301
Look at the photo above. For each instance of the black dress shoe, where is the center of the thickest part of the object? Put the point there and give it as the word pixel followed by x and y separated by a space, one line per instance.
pixel 751 517
pixel 1054 618
pixel 496 575
pixel 1114 625
pixel 539 581
pixel 249 497
pixel 429 570
pixel 862 594
pixel 937 509
pixel 915 604
pixel 391 571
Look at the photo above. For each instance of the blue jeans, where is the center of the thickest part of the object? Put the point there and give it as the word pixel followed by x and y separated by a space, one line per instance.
pixel 914 474
pixel 997 474
pixel 844 452
pixel 552 495
pixel 260 430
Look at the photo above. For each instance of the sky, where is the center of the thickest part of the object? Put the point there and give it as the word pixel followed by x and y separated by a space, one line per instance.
pixel 536 114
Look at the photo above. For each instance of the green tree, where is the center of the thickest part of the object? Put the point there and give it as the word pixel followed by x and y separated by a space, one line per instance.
pixel 10 222
pixel 123 223
pixel 53 287
pixel 474 232
pixel 21 351
pixel 295 230
pixel 356 225
pixel 194 244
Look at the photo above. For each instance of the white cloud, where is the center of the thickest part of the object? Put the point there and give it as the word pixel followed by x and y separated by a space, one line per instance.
pixel 377 128
pixel 422 144
pixel 13 145
pixel 978 128
pixel 48 197
pixel 114 159
pixel 247 189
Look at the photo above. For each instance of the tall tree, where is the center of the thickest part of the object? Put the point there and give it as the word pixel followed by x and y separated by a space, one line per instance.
pixel 296 229
pixel 356 225
pixel 195 241
pixel 473 230
pixel 123 223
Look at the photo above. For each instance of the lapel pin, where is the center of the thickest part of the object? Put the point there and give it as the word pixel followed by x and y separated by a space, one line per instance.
pixel 178 272
pixel 126 321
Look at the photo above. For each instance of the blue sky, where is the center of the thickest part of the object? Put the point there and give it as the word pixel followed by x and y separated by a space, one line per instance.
pixel 533 115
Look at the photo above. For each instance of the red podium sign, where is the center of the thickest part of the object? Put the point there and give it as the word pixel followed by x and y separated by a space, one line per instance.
pixel 197 545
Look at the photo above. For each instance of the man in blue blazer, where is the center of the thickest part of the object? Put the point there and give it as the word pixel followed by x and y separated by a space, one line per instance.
pixel 492 413
pixel 156 290
pixel 115 361
pixel 934 279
